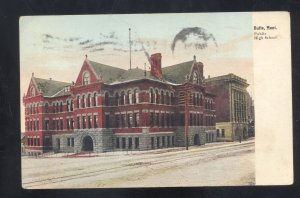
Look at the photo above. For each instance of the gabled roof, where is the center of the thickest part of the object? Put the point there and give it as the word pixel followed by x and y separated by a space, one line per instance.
pixel 49 87
pixel 108 73
pixel 177 73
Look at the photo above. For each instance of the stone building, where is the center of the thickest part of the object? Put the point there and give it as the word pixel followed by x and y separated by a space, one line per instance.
pixel 109 108
pixel 232 106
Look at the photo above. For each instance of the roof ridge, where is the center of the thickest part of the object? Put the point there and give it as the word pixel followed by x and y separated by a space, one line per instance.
pixel 178 64
pixel 105 65
pixel 51 80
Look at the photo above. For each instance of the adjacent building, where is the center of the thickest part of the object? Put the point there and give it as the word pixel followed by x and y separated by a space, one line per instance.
pixel 233 107
pixel 108 108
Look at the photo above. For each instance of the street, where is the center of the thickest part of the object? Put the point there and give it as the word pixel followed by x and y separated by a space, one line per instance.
pixel 214 164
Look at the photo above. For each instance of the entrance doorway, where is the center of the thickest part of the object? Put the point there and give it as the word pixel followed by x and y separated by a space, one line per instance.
pixel 87 144
pixel 196 139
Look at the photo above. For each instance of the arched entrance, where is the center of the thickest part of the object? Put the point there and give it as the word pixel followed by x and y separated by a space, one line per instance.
pixel 58 143
pixel 196 139
pixel 87 144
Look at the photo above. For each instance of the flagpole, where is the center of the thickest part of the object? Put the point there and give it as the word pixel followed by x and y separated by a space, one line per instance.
pixel 130 48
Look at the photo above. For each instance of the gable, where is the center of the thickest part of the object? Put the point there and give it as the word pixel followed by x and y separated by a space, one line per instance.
pixel 32 89
pixel 88 71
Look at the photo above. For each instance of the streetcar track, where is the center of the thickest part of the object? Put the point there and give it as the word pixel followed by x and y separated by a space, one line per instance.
pixel 126 166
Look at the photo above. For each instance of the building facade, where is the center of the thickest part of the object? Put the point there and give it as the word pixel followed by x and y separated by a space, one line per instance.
pixel 109 108
pixel 233 108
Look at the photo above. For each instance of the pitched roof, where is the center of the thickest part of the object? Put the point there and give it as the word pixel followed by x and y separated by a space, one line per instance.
pixel 108 73
pixel 177 73
pixel 49 87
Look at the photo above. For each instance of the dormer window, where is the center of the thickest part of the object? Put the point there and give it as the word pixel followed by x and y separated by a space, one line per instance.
pixel 86 78
pixel 32 91
pixel 195 78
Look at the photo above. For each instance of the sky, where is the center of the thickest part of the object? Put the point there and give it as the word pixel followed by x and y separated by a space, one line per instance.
pixel 55 46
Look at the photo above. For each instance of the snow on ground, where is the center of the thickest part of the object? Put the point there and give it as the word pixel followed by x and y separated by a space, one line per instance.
pixel 217 164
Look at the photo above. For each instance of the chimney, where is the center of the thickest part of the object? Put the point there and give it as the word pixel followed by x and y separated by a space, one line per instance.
pixel 156 65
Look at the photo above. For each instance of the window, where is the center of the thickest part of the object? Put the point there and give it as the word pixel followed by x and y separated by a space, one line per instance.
pixel 61 107
pixel 89 100
pixel 194 99
pixel 163 141
pixel 136 98
pixel 117 121
pixel 72 142
pixel 173 140
pixel 157 119
pixel 61 124
pixel 129 97
pixel 201 100
pixel 130 143
pixel 172 119
pixel 116 99
pixel 122 102
pixel 172 99
pixel 95 121
pixel 106 99
pixel 83 122
pixel 68 105
pixel 152 142
pixel 129 120
pixel 151 119
pixel 37 108
pixel 151 96
pixel 86 78
pixel 162 120
pixel 107 121
pixel 136 143
pixel 223 132
pixel 168 120
pixel 32 91
pixel 95 99
pixel 156 96
pixel 69 142
pixel 83 101
pixel 56 108
pixel 195 78
pixel 168 141
pixel 162 97
pixel 37 125
pixel 182 119
pixel 78 102
pixel 68 123
pixel 123 143
pixel 123 120
pixel 136 119
pixel 90 121
pixel 78 122
pixel 157 142
pixel 46 108
pixel 117 142
pixel 218 133
pixel 167 98
pixel 46 124
pixel 72 123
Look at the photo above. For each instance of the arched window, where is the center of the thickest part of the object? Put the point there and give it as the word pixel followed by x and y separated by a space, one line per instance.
pixel 78 102
pixel 167 98
pixel 37 108
pixel 46 108
pixel 136 97
pixel 95 99
pixel 172 99
pixel 61 107
pixel 56 108
pixel 156 96
pixel 122 102
pixel 89 100
pixel 30 109
pixel 83 101
pixel 32 91
pixel 162 97
pixel 53 107
pixel 33 108
pixel 68 105
pixel 117 99
pixel 71 106
pixel 201 100
pixel 129 97
pixel 86 78
pixel 151 96
pixel 106 99
pixel 195 78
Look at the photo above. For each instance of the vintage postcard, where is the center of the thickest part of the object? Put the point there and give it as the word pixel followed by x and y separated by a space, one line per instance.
pixel 156 100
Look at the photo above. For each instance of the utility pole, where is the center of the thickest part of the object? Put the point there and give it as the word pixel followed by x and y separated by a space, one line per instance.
pixel 130 48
